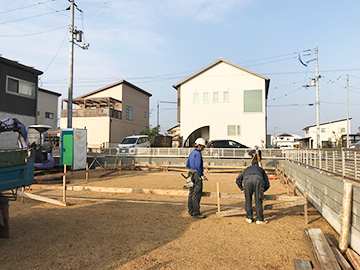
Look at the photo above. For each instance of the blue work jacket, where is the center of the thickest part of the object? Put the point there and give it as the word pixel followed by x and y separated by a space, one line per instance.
pixel 195 162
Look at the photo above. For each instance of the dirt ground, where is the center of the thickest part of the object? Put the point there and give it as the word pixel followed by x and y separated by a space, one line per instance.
pixel 138 231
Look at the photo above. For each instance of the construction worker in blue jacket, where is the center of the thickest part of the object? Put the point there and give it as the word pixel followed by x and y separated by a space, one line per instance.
pixel 254 180
pixel 195 164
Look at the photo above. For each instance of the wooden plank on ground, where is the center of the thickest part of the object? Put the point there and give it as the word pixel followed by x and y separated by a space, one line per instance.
pixel 302 264
pixel 354 258
pixel 40 198
pixel 233 212
pixel 339 257
pixel 322 256
pixel 284 205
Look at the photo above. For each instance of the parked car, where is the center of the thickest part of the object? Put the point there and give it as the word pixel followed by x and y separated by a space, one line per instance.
pixel 225 144
pixel 134 141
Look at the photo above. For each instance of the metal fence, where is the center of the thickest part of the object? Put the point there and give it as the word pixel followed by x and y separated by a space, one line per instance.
pixel 184 152
pixel 341 162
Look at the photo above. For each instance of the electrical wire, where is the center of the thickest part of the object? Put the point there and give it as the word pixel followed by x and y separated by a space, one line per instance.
pixel 33 34
pixel 16 9
pixel 31 17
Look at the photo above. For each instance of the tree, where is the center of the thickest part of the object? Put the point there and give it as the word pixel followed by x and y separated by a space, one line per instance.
pixel 151 132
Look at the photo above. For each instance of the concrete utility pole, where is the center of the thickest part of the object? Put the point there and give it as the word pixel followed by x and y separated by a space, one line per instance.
pixel 78 34
pixel 158 109
pixel 71 65
pixel 347 115
pixel 317 101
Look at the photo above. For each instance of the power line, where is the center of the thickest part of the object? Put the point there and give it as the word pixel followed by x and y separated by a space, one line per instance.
pixel 33 34
pixel 16 9
pixel 31 17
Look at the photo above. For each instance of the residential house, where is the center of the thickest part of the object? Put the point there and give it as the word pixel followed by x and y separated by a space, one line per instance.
pixel 330 134
pixel 223 101
pixel 288 141
pixel 110 114
pixel 174 132
pixel 18 96
pixel 47 108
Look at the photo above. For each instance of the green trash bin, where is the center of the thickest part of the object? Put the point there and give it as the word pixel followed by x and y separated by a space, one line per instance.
pixel 4 217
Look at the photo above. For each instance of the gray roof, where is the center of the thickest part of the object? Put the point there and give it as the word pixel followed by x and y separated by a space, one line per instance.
pixel 326 123
pixel 220 60
pixel 20 66
pixel 116 84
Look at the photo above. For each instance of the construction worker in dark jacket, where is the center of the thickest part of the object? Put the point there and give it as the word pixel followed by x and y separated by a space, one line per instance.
pixel 254 180
pixel 195 164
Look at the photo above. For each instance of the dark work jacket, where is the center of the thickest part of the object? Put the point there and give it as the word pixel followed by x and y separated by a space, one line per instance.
pixel 253 172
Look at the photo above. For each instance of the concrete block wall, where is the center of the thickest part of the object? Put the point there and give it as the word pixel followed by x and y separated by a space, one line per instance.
pixel 325 193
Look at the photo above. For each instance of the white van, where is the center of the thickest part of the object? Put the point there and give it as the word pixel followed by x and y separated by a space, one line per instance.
pixel 134 141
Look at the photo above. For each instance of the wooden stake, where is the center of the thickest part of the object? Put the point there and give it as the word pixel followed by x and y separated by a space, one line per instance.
pixel 294 190
pixel 306 209
pixel 132 166
pixel 22 198
pixel 87 171
pixel 166 167
pixel 218 196
pixel 64 185
pixel 105 168
pixel 206 167
pixel 120 166
pixel 345 217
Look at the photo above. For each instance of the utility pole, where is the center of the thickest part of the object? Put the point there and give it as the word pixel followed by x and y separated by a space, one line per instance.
pixel 71 65
pixel 317 101
pixel 347 115
pixel 158 109
pixel 77 34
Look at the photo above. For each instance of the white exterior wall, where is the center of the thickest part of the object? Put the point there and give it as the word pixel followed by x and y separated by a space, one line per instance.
pixel 218 115
pixel 97 128
pixel 328 133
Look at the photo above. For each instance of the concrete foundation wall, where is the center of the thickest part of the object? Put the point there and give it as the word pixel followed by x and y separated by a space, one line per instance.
pixel 325 193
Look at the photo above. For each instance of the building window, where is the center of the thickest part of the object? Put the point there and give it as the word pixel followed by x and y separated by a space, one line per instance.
pixel 341 130
pixel 49 115
pixel 38 113
pixel 196 97
pixel 129 113
pixel 20 87
pixel 215 96
pixel 233 130
pixel 253 101
pixel 145 114
pixel 226 96
pixel 206 97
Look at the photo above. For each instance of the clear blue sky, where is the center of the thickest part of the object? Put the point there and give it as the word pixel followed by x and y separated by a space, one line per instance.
pixel 155 44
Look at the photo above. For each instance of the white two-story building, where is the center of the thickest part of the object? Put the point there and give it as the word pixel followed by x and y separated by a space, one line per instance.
pixel 223 101
pixel 330 133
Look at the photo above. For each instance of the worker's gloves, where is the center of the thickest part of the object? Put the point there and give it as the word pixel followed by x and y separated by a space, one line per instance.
pixel 204 178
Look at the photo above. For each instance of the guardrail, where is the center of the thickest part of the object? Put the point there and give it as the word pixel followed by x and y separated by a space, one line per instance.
pixel 339 161
pixel 184 152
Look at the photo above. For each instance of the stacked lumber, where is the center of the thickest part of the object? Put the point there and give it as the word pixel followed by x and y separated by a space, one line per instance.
pixel 324 254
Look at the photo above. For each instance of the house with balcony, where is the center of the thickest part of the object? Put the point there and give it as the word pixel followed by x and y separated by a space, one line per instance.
pixel 109 114
pixel 223 101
